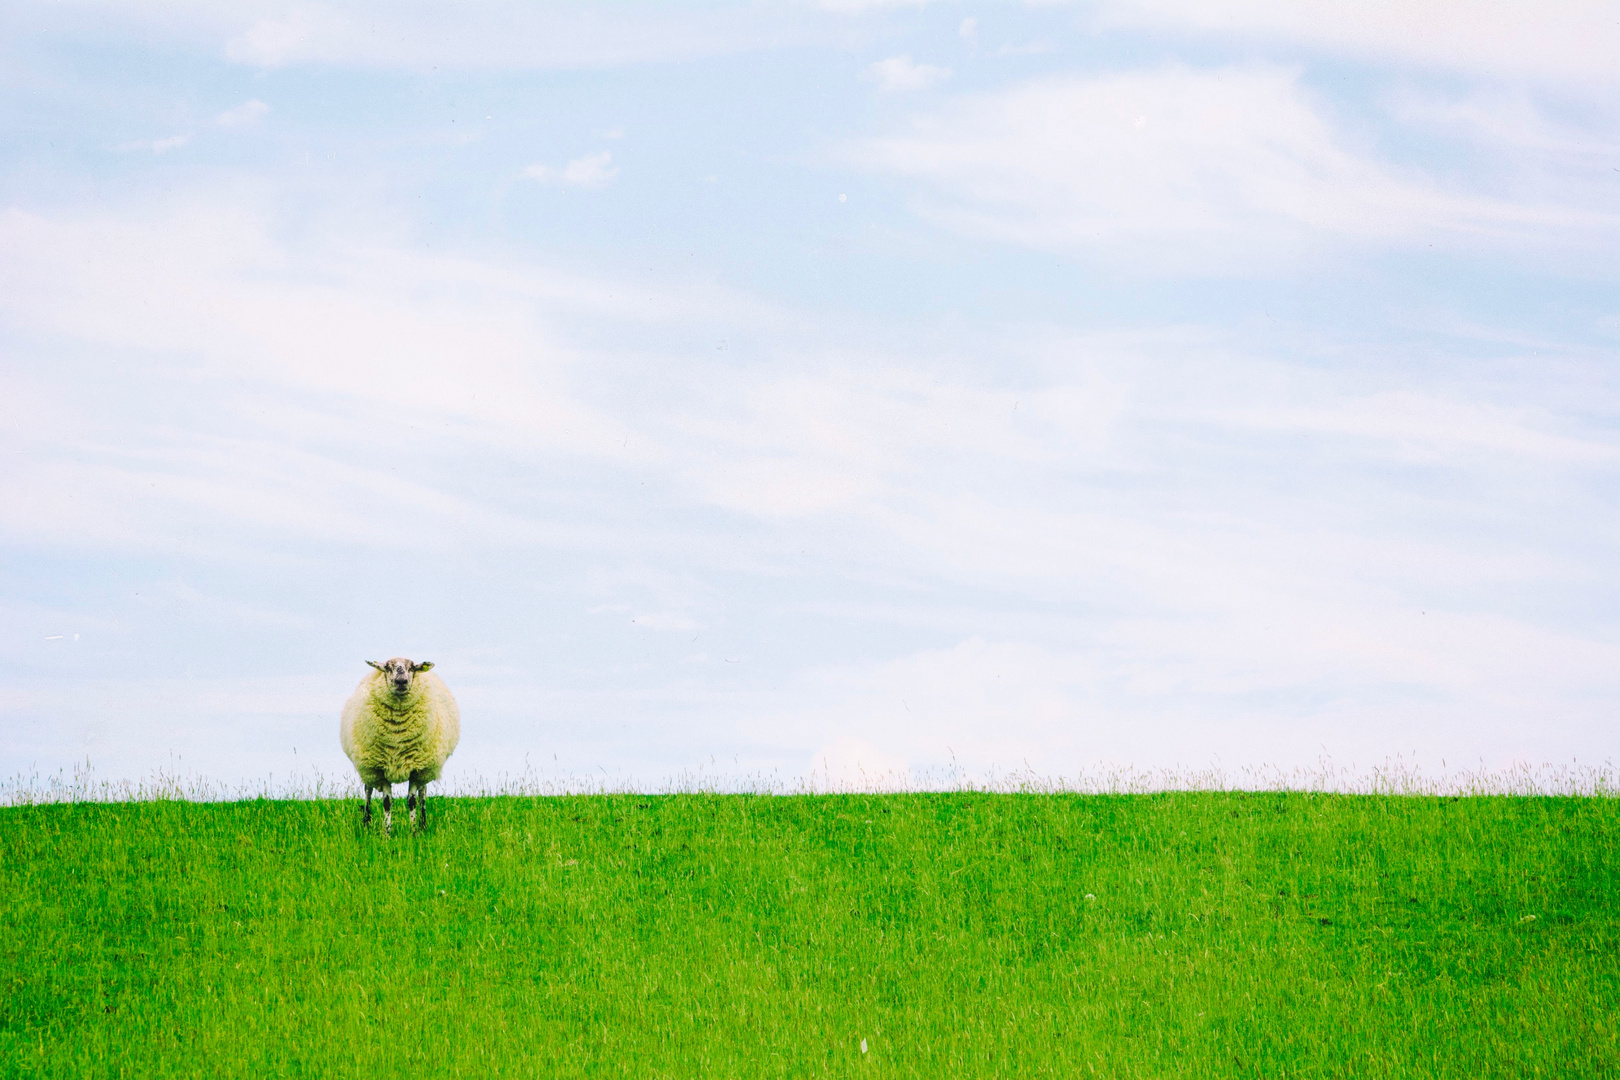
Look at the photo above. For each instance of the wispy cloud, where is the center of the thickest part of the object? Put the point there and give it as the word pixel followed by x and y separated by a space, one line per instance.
pixel 900 73
pixel 590 171
pixel 1559 40
pixel 248 113
pixel 1213 171
pixel 438 344
pixel 932 489
pixel 497 34
pixel 849 7
pixel 1106 540
pixel 1031 48
pixel 158 146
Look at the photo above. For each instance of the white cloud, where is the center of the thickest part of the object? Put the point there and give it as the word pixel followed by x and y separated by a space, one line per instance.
pixel 1029 489
pixel 842 439
pixel 590 171
pixel 1418 427
pixel 248 113
pixel 494 34
pixel 1190 587
pixel 287 362
pixel 899 73
pixel 244 115
pixel 856 7
pixel 417 35
pixel 1531 145
pixel 1261 684
pixel 306 32
pixel 158 146
pixel 1145 548
pixel 1215 171
pixel 346 347
pixel 1032 48
pixel 1557 40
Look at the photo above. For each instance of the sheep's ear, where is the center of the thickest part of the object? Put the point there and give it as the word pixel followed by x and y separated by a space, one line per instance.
pixel 374 664
pixel 423 666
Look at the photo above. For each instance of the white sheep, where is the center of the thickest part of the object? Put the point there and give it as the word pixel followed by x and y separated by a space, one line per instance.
pixel 399 726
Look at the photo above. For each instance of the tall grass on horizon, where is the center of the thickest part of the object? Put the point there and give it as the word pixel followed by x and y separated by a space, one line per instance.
pixel 1394 776
pixel 925 934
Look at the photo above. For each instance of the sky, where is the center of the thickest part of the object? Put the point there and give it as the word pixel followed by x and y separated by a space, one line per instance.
pixel 863 391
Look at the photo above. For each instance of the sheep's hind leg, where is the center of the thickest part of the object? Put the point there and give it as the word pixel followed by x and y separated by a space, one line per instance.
pixel 388 811
pixel 365 819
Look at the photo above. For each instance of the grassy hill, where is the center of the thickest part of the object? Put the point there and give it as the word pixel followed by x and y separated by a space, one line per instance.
pixel 931 935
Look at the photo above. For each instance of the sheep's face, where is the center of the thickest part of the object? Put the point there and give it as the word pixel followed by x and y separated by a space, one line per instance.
pixel 399 674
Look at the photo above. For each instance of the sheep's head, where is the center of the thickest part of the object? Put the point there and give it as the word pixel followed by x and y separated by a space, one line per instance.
pixel 400 673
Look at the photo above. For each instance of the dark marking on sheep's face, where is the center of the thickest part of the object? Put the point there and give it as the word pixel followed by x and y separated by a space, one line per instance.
pixel 400 672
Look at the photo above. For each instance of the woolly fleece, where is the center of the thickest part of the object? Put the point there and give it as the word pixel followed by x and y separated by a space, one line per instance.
pixel 390 741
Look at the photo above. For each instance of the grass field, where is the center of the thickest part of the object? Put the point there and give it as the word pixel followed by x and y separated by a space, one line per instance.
pixel 1196 934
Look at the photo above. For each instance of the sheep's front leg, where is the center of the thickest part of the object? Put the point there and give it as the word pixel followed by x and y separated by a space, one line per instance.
pixel 388 811
pixel 365 819
pixel 419 798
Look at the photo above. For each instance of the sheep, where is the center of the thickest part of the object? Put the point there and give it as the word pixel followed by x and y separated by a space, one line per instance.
pixel 400 725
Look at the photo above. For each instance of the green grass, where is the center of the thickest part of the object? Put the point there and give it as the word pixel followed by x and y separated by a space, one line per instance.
pixel 1198 934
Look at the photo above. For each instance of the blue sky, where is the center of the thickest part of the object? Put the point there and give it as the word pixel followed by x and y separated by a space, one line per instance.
pixel 854 388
